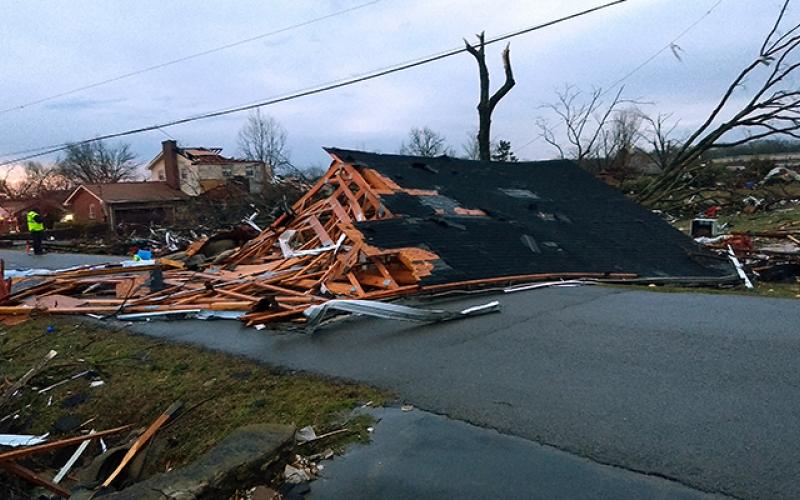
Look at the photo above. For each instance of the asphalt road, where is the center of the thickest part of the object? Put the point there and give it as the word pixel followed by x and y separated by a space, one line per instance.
pixel 420 455
pixel 18 259
pixel 701 389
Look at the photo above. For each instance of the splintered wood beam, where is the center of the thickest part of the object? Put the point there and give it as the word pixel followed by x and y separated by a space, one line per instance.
pixel 314 263
pixel 339 210
pixel 287 291
pixel 264 317
pixel 384 272
pixel 353 281
pixel 19 453
pixel 339 288
pixel 31 477
pixel 375 180
pixel 355 207
pixel 236 295
pixel 365 190
pixel 322 234
pixel 310 284
pixel 375 281
pixel 396 292
pixel 299 205
pixel 381 179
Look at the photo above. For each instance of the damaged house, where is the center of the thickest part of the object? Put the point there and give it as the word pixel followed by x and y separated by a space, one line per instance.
pixel 196 170
pixel 382 226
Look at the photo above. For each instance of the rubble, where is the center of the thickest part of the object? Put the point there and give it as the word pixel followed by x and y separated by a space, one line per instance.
pixel 359 234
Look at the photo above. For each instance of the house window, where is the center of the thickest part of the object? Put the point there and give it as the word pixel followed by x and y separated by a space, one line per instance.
pixel 161 176
pixel 227 172
pixel 92 213
pixel 249 171
pixel 184 174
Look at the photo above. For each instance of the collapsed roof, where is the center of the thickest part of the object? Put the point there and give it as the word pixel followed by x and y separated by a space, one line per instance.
pixel 488 219
pixel 381 226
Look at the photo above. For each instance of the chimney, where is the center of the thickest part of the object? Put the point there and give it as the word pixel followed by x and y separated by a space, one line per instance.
pixel 170 153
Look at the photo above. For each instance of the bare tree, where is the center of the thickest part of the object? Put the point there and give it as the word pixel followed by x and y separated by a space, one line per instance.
pixel 486 104
pixel 38 179
pixel 771 109
pixel 425 142
pixel 662 146
pixel 263 139
pixel 619 141
pixel 470 148
pixel 96 163
pixel 585 119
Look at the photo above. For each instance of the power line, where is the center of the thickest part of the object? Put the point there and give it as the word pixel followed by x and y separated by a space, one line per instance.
pixel 646 61
pixel 665 47
pixel 187 58
pixel 304 93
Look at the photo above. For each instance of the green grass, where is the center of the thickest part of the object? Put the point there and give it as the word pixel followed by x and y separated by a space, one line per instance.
pixel 144 376
pixel 773 290
pixel 778 219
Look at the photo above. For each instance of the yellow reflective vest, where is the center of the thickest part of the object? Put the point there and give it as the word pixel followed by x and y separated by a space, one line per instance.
pixel 34 226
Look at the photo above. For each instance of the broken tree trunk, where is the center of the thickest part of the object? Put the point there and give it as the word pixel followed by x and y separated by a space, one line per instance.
pixel 487 104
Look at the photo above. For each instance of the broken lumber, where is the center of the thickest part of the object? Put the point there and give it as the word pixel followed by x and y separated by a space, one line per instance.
pixel 52 445
pixel 142 440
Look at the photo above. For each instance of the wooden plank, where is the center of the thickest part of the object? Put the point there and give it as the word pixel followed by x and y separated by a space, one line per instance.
pixel 142 440
pixel 31 477
pixel 18 453
pixel 13 310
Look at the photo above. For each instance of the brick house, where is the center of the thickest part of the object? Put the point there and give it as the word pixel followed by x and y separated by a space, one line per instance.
pixel 197 170
pixel 124 202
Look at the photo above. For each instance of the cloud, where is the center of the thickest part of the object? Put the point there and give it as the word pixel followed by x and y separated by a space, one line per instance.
pixel 62 46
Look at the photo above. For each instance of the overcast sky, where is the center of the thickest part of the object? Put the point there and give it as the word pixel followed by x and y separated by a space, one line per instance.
pixel 50 47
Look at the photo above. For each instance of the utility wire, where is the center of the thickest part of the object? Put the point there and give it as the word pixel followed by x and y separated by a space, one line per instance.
pixel 646 61
pixel 304 93
pixel 662 49
pixel 187 58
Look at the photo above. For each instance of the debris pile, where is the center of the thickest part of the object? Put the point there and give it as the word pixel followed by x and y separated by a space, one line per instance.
pixel 378 227
pixel 774 256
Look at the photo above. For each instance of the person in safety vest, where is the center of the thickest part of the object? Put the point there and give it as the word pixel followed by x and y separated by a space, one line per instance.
pixel 36 228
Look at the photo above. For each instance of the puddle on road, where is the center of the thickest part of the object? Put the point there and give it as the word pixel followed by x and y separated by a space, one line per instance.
pixel 416 454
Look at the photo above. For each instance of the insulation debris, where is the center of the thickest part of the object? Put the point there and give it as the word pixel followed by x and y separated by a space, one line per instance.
pixel 379 227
